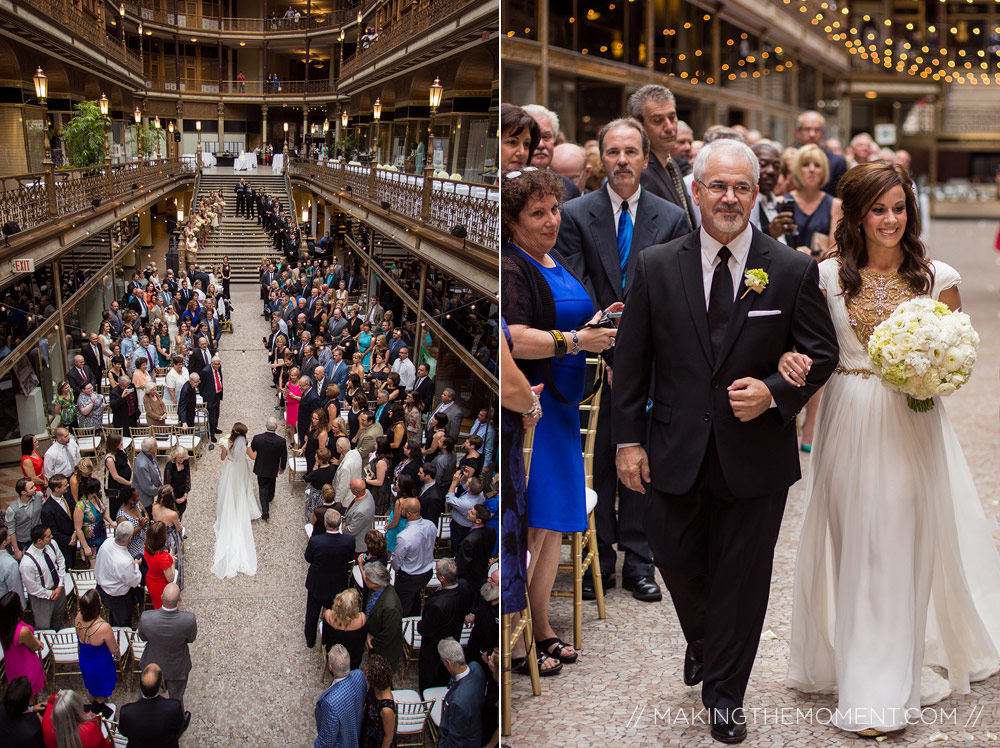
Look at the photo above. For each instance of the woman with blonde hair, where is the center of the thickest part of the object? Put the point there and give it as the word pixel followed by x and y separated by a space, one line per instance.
pixel 84 469
pixel 164 510
pixel 346 624
pixel 156 409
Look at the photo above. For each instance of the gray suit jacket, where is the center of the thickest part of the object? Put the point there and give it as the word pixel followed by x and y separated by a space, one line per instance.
pixel 146 478
pixel 168 633
pixel 358 520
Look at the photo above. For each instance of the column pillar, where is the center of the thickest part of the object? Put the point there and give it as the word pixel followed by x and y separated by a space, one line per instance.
pixel 326 217
pixel 222 125
pixel 305 127
pixel 314 214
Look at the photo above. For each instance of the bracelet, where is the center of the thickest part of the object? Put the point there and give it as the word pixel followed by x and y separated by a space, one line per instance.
pixel 576 342
pixel 536 408
pixel 560 341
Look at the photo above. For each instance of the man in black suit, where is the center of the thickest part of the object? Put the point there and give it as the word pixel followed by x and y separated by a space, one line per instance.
pixel 601 237
pixel 654 108
pixel 124 406
pixel 266 277
pixel 249 201
pixel 307 404
pixel 187 401
pixel 722 444
pixel 201 357
pixel 211 392
pixel 473 557
pixel 424 385
pixel 810 129
pixel 80 375
pixel 329 556
pixel 270 455
pixel 463 705
pixel 93 356
pixel 57 515
pixel 153 721
pixel 431 493
pixel 443 615
pixel 240 190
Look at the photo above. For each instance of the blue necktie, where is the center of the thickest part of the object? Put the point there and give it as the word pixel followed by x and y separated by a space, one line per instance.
pixel 624 239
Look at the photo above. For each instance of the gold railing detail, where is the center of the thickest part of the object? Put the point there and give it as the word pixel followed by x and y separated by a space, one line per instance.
pixel 86 27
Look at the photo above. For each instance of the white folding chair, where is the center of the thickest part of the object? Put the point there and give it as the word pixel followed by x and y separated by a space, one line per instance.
pixel 411 717
pixel 64 654
pixel 436 698
pixel 411 642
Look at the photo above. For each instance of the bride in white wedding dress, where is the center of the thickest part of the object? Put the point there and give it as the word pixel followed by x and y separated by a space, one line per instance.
pixel 896 570
pixel 236 506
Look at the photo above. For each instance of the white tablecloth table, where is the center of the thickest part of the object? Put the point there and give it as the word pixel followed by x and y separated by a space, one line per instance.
pixel 208 159
pixel 245 161
pixel 278 163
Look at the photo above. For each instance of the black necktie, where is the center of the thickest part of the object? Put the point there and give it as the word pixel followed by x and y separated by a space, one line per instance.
pixel 720 300
pixel 52 570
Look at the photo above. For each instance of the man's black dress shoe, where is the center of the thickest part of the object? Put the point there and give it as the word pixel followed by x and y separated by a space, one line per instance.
pixel 693 665
pixel 643 588
pixel 588 586
pixel 728 727
pixel 186 722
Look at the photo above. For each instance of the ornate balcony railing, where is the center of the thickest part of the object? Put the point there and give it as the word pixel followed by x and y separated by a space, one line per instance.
pixel 418 18
pixel 86 27
pixel 246 88
pixel 30 200
pixel 197 22
pixel 442 203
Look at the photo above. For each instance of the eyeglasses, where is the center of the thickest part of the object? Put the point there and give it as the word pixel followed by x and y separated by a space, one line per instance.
pixel 720 189
pixel 518 172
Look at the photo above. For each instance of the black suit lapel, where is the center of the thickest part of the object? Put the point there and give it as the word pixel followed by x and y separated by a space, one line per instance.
pixel 647 220
pixel 606 239
pixel 758 257
pixel 689 262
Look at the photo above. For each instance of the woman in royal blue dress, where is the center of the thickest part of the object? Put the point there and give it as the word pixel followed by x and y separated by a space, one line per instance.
pixel 548 312
pixel 98 652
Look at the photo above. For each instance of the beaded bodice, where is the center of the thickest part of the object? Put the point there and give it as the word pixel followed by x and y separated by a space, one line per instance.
pixel 879 296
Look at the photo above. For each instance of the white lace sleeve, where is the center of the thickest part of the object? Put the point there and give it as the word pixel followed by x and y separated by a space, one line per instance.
pixel 945 277
pixel 828 280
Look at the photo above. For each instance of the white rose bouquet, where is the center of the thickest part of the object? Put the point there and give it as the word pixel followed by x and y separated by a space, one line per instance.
pixel 924 349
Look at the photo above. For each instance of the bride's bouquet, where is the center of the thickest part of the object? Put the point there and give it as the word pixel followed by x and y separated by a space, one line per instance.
pixel 924 349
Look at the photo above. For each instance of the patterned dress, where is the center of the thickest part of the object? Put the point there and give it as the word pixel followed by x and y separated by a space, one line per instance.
pixel 513 508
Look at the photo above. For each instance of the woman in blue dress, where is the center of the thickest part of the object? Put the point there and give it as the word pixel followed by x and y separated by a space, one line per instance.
pixel 365 345
pixel 552 323
pixel 98 652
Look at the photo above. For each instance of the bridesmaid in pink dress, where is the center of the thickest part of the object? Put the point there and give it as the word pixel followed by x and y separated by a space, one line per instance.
pixel 293 394
pixel 20 647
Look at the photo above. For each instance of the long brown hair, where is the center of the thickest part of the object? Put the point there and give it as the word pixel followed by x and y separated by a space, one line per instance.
pixel 859 189
pixel 239 429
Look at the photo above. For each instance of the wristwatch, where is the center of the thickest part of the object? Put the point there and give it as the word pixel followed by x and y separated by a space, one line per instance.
pixel 575 337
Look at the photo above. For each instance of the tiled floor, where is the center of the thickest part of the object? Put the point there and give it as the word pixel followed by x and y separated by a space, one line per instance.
pixel 626 688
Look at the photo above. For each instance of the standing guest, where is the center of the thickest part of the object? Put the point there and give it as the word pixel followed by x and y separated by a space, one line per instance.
pixel 66 725
pixel 445 460
pixel 519 137
pixel 66 405
pixel 385 615
pixel 293 399
pixel 548 129
pixel 424 385
pixel 10 571
pixel 212 394
pixel 93 355
pixel 375 549
pixel 269 453
pixel 146 473
pixel 99 651
pixel 338 710
pixel 141 376
pixel 378 723
pixel 168 632
pixel 177 475
pixel 32 464
pixel 462 707
pixel 413 411
pixel 404 367
pixel 176 378
pixel 89 516
pixel 485 618
pixel 62 455
pixel 22 515
pixel 349 468
pixel 79 374
pixel 318 518
pixel 369 434
pixel 124 406
pixel 20 646
pixel 473 458
pixel 460 505
pixel 156 409
pixel 329 556
pixel 187 401
pixel 43 571
pixel 90 408
pixel 58 515
pixel 117 575
pixel 442 616
pixel 413 558
pixel 344 624
pixel 431 493
pixel 132 511
pixel 84 470
pixel 452 421
pixel 308 403
pixel 765 215
pixel 485 430
pixel 117 472
pixel 473 556
pixel 165 511
pixel 810 129
pixel 359 514
pixel 153 721
pixel 318 478
pixel 19 723
pixel 159 562
pixel 316 438
pixel 411 462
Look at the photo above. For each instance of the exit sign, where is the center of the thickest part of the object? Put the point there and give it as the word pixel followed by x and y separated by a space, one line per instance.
pixel 22 266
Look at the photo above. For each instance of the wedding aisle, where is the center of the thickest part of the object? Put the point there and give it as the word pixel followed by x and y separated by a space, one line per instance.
pixel 253 683
pixel 626 688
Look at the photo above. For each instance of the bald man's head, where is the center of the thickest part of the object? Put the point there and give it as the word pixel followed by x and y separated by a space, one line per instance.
pixel 570 160
pixel 412 508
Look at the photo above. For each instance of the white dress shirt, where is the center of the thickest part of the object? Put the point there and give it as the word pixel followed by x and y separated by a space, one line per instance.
pixel 414 552
pixel 617 202
pixel 739 247
pixel 115 570
pixel 41 584
pixel 407 372
pixel 61 458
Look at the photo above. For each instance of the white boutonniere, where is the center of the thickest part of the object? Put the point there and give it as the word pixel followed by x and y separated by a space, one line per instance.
pixel 755 280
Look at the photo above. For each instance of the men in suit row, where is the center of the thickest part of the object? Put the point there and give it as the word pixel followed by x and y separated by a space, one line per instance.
pixel 601 237
pixel 442 616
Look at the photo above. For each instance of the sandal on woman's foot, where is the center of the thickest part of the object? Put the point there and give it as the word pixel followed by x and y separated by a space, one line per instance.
pixel 554 648
pixel 520 665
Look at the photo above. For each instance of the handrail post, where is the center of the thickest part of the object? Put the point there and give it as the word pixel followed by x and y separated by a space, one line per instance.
pixel 50 188
pixel 371 183
pixel 425 207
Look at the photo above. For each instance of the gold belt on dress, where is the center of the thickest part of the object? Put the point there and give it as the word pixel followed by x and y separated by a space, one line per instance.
pixel 864 373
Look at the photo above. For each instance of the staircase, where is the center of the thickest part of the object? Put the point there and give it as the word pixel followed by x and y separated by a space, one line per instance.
pixel 244 241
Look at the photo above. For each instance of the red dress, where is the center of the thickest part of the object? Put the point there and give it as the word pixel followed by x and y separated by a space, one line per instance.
pixel 156 580
pixel 90 732
pixel 36 461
